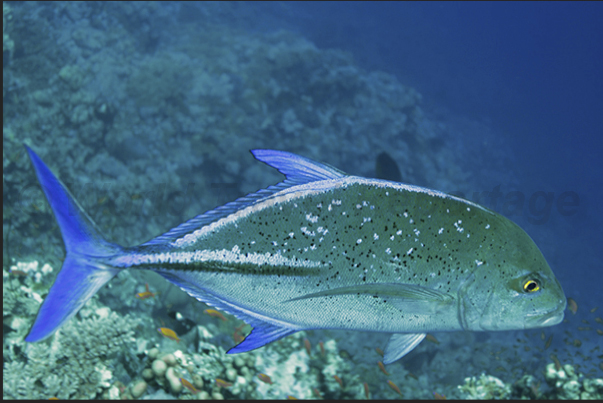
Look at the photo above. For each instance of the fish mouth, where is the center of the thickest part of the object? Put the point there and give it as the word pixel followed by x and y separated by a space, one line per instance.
pixel 550 318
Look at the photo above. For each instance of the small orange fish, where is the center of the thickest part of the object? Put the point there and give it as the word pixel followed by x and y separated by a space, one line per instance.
pixel 577 343
pixel 215 314
pixel 18 273
pixel 317 393
pixel 289 397
pixel 599 320
pixel 379 351
pixel 265 378
pixel 394 387
pixel 169 333
pixel 594 309
pixel 600 332
pixel 222 383
pixel 548 342
pixel 322 348
pixel 366 390
pixel 437 396
pixel 572 305
pixel 584 328
pixel 382 367
pixel 188 385
pixel 308 347
pixel 237 337
pixel 146 294
pixel 339 381
pixel 431 338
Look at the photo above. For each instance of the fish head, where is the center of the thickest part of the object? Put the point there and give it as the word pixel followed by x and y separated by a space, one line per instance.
pixel 514 289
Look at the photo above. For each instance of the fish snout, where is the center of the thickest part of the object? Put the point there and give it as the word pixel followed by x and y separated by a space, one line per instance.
pixel 549 318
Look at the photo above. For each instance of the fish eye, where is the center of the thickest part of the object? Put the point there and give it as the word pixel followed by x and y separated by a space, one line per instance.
pixel 531 286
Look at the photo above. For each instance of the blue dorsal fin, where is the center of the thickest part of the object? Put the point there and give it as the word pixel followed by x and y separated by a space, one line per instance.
pixel 264 330
pixel 298 171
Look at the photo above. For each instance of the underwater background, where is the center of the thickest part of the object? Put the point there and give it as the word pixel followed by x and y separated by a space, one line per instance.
pixel 147 112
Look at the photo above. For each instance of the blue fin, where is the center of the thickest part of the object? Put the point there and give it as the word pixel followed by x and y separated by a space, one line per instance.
pixel 298 171
pixel 82 274
pixel 401 344
pixel 260 336
pixel 265 330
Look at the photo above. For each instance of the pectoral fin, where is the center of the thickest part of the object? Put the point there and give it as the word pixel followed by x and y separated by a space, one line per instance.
pixel 401 344
pixel 408 298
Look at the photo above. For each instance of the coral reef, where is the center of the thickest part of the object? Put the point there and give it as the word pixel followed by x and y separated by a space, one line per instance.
pixel 77 362
pixel 567 383
pixel 484 387
pixel 8 45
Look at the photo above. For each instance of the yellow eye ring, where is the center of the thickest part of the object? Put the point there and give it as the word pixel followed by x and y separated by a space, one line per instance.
pixel 531 286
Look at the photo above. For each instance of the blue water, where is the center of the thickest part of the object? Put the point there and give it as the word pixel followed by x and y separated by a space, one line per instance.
pixel 513 89
pixel 530 69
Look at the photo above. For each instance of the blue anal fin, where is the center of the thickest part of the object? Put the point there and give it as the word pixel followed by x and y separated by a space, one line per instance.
pixel 260 336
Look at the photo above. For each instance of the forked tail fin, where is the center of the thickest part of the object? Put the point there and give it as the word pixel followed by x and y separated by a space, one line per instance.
pixel 82 274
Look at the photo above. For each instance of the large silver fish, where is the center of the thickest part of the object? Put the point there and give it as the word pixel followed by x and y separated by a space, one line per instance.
pixel 324 250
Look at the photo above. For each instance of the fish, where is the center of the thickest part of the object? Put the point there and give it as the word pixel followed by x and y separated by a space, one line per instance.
pixel 18 273
pixel 265 378
pixel 413 376
pixel 307 346
pixel 323 250
pixel 379 351
pixel 394 387
pixel 382 367
pixel 387 168
pixel 438 396
pixel 238 337
pixel 548 342
pixel 339 381
pixel 323 352
pixel 572 305
pixel 146 294
pixel 432 339
pixel 215 314
pixel 366 390
pixel 556 361
pixel 222 383
pixel 169 333
pixel 188 385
